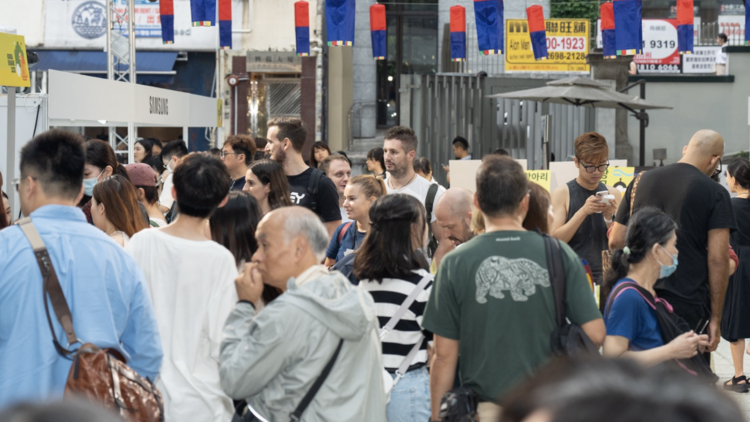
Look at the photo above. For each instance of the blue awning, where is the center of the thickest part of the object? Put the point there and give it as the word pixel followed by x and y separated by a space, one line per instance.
pixel 152 67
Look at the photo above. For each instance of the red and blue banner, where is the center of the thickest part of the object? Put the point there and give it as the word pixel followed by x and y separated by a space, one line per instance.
pixel 378 31
pixel 340 22
pixel 458 33
pixel 628 27
pixel 489 15
pixel 203 12
pixel 166 16
pixel 685 26
pixel 302 27
pixel 537 32
pixel 225 24
pixel 607 14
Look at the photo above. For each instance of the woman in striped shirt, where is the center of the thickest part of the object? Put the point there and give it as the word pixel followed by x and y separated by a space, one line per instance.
pixel 390 264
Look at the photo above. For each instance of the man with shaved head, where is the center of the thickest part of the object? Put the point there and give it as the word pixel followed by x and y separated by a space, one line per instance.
pixel 272 358
pixel 703 212
pixel 453 215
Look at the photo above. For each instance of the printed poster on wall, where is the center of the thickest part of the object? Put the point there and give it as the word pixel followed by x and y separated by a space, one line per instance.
pixel 567 44
pixel 660 54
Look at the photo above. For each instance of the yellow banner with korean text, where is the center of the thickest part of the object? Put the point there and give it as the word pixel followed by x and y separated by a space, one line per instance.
pixel 14 69
pixel 540 177
pixel 567 43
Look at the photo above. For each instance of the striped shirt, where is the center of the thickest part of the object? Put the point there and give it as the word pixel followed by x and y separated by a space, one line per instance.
pixel 388 297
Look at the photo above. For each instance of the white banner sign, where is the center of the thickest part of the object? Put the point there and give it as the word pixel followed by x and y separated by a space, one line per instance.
pixel 82 24
pixel 702 61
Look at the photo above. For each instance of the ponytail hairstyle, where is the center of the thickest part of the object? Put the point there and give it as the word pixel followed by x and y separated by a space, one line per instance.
pixel 100 155
pixel 370 185
pixel 646 228
pixel 739 168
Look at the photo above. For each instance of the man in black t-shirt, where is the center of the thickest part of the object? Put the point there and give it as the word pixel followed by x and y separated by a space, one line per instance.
pixel 703 212
pixel 309 187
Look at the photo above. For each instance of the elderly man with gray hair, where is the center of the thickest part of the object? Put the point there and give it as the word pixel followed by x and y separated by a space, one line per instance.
pixel 314 352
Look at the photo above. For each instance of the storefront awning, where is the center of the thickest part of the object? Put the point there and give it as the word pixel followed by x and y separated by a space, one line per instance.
pixel 153 67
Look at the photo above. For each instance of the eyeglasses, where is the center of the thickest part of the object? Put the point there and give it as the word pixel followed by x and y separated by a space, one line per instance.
pixel 17 181
pixel 590 169
pixel 223 154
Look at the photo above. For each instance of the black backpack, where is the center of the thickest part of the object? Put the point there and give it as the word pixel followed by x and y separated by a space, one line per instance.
pixel 313 187
pixel 567 339
pixel 671 326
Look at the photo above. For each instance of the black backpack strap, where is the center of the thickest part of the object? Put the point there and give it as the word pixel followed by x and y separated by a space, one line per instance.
pixel 428 202
pixel 297 414
pixel 645 294
pixel 313 188
pixel 556 276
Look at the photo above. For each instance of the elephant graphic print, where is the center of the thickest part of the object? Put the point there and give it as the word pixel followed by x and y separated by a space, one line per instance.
pixel 498 276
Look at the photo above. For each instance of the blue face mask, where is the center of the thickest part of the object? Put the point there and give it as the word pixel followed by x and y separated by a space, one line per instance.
pixel 88 184
pixel 667 270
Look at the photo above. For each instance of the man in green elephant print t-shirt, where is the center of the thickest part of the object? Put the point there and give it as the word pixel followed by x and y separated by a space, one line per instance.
pixel 491 307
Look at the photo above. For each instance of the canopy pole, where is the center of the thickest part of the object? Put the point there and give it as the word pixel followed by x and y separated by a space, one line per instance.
pixel 11 149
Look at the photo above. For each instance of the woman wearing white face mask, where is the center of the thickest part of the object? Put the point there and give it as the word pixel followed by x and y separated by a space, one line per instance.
pixel 100 164
pixel 633 330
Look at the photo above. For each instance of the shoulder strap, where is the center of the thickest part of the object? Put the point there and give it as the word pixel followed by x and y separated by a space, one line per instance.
pixel 406 363
pixel 635 188
pixel 557 277
pixel 428 202
pixel 343 231
pixel 297 414
pixel 628 286
pixel 51 287
pixel 405 306
pixel 313 187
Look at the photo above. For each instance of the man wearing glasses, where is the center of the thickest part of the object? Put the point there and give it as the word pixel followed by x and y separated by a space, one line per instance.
pixel 238 152
pixel 584 208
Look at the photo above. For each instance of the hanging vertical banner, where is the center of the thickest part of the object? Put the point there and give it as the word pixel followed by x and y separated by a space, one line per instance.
pixel 685 26
pixel 203 12
pixel 340 22
pixel 377 31
pixel 225 24
pixel 537 32
pixel 747 22
pixel 166 16
pixel 608 30
pixel 458 33
pixel 628 29
pixel 302 27
pixel 490 16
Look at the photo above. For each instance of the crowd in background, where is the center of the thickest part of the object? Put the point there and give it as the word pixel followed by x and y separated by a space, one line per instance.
pixel 232 277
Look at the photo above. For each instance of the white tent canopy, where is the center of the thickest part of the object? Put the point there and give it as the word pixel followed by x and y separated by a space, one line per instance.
pixel 77 100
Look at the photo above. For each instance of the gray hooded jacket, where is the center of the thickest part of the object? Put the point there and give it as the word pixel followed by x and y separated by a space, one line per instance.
pixel 272 358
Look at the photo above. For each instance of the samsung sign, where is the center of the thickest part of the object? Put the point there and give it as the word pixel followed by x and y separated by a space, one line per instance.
pixel 157 105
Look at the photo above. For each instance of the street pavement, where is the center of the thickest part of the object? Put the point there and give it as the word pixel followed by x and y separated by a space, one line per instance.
pixel 724 368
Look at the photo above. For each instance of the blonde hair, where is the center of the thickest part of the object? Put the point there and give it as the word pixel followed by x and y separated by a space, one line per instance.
pixel 371 186
pixel 477 222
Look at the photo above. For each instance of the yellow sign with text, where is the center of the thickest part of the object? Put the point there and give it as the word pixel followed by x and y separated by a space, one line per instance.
pixel 540 177
pixel 14 69
pixel 619 177
pixel 567 45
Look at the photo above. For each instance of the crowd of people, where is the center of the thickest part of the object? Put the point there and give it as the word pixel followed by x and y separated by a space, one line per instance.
pixel 252 285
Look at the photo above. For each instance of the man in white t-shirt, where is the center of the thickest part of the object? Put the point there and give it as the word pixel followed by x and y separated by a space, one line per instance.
pixel 721 55
pixel 191 282
pixel 171 155
pixel 400 148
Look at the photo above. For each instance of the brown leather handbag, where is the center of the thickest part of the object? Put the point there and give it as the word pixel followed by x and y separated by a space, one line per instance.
pixel 99 375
